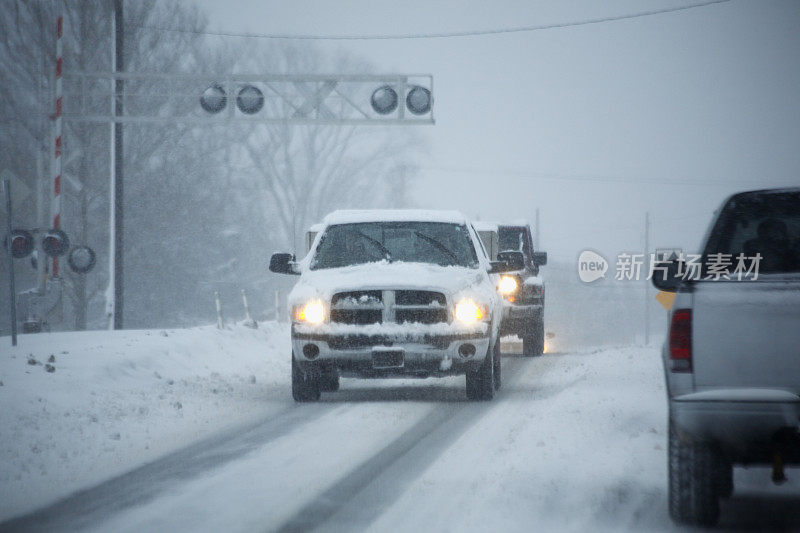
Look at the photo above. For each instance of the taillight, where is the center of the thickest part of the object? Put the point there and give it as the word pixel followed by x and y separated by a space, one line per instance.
pixel 680 341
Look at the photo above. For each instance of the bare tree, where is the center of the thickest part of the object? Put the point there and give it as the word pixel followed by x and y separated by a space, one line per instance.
pixel 303 172
pixel 204 207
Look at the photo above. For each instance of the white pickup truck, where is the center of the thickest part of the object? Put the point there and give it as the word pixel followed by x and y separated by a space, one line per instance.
pixel 732 356
pixel 394 293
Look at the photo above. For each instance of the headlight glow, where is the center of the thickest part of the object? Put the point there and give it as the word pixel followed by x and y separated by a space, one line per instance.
pixel 469 312
pixel 507 285
pixel 312 312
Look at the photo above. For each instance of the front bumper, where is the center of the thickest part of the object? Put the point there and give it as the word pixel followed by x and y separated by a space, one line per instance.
pixel 363 355
pixel 519 317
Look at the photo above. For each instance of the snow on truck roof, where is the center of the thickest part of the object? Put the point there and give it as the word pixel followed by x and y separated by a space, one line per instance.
pixel 483 225
pixel 348 216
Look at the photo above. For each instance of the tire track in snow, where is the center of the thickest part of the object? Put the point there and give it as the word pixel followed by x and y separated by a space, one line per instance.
pixel 92 506
pixel 361 496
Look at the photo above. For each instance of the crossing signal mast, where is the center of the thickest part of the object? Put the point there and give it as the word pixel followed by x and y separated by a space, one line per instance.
pixel 118 97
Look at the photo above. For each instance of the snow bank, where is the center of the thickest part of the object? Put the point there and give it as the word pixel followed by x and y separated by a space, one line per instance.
pixel 78 408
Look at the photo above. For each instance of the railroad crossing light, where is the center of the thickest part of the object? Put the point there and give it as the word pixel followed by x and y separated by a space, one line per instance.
pixel 81 259
pixel 418 100
pixel 384 100
pixel 250 100
pixel 213 99
pixel 55 243
pixel 21 243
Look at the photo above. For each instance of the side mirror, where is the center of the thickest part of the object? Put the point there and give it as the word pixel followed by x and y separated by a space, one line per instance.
pixel 665 275
pixel 507 261
pixel 283 264
pixel 539 258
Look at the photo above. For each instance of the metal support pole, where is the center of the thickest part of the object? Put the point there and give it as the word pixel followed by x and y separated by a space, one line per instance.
pixel 41 221
pixel 11 284
pixel 646 282
pixel 220 322
pixel 536 232
pixel 119 45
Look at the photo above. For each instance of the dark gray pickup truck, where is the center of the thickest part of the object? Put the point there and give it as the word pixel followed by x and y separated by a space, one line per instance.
pixel 732 356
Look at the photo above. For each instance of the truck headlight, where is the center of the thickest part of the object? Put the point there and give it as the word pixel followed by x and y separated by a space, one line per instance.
pixel 508 285
pixel 311 313
pixel 469 312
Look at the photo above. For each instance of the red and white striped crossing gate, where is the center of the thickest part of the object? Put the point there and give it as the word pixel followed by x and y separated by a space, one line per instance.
pixel 57 148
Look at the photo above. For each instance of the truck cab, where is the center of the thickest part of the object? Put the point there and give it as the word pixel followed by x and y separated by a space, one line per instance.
pixel 523 290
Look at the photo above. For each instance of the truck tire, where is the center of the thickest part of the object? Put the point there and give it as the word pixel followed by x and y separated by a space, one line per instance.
pixel 725 478
pixel 533 340
pixel 498 382
pixel 693 481
pixel 305 386
pixel 481 382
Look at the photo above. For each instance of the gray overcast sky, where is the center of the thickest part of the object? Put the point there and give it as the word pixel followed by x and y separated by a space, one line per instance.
pixel 703 95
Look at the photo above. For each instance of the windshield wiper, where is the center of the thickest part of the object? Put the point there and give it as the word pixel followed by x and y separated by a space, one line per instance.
pixel 438 245
pixel 385 251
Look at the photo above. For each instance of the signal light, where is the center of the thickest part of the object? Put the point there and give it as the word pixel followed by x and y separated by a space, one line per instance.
pixel 55 243
pixel 81 259
pixel 419 100
pixel 250 100
pixel 384 100
pixel 21 243
pixel 213 99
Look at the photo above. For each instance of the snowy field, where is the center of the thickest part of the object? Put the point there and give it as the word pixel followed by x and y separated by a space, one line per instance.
pixel 195 430
pixel 116 400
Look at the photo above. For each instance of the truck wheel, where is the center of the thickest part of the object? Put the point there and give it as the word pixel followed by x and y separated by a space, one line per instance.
pixel 724 478
pixel 305 387
pixel 481 382
pixel 498 382
pixel 533 340
pixel 329 381
pixel 693 481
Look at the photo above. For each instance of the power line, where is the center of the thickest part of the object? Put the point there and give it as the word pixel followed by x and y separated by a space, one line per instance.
pixel 440 35
pixel 603 179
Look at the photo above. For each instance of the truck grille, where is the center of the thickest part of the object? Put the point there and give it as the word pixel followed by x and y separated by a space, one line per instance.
pixel 379 306
pixel 357 307
pixel 425 298
pixel 422 316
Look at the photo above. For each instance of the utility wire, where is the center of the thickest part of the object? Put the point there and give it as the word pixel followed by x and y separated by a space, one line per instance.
pixel 603 179
pixel 440 35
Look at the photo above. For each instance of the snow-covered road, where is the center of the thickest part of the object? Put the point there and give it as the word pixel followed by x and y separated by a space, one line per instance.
pixel 573 441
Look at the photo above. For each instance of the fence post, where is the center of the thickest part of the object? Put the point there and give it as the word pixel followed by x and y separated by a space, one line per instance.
pixel 9 246
pixel 220 322
pixel 249 322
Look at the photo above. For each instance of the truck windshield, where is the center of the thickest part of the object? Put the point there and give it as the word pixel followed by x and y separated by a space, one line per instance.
pixel 512 238
pixel 437 243
pixel 760 223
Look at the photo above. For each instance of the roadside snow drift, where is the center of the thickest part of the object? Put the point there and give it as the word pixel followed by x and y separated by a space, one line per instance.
pixel 78 408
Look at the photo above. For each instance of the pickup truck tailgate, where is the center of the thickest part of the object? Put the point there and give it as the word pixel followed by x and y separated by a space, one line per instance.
pixel 747 333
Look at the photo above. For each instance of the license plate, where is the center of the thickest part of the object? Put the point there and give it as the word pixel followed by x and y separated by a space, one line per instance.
pixel 387 358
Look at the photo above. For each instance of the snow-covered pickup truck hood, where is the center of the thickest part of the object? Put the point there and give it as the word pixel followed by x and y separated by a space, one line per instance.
pixel 451 280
